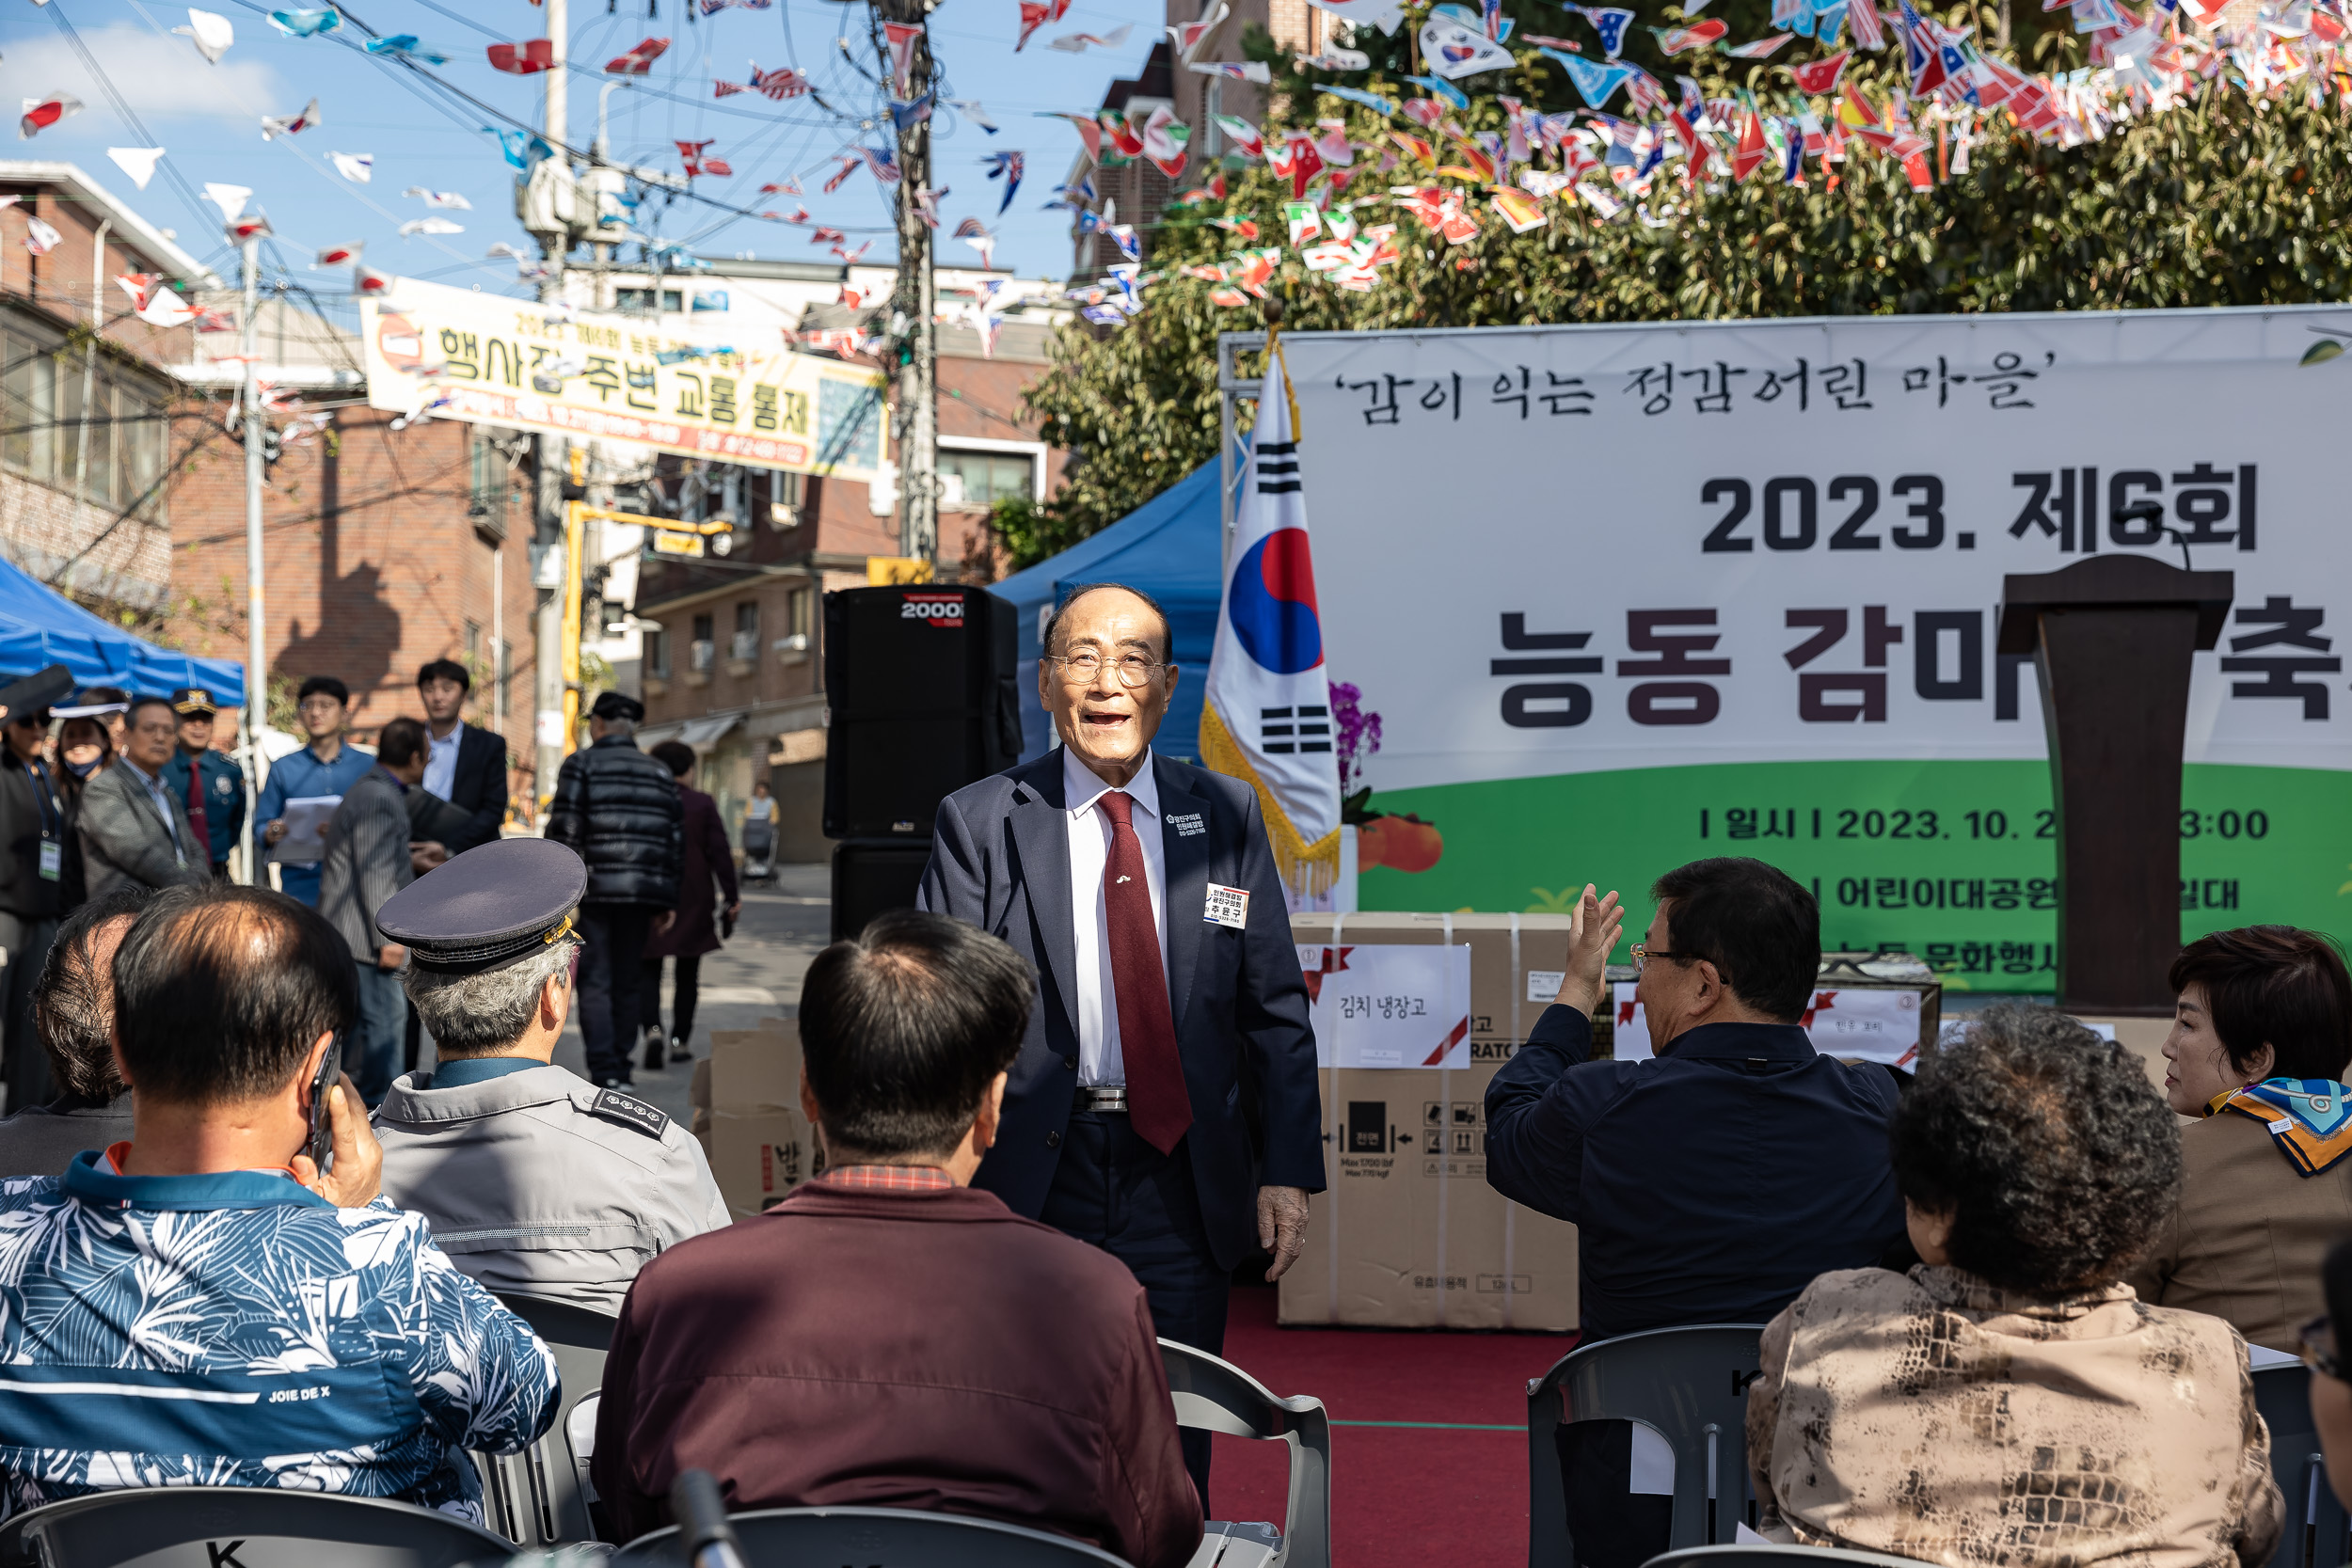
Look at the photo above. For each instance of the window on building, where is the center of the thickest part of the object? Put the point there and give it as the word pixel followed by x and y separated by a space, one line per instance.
pixel 488 492
pixel 642 300
pixel 705 649
pixel 656 651
pixel 797 606
pixel 990 477
pixel 506 678
pixel 746 643
pixel 122 464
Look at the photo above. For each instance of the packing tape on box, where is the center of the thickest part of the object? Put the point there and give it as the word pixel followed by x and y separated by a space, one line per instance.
pixel 1331 1186
pixel 1445 1161
pixel 1511 1210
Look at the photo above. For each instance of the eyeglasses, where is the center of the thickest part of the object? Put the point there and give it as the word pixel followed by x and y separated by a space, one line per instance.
pixel 1642 955
pixel 1134 669
pixel 2317 1343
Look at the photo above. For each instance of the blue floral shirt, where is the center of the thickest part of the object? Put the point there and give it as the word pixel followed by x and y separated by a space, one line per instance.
pixel 239 1330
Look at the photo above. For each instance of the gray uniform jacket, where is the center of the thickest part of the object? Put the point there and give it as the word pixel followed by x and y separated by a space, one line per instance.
pixel 540 1181
pixel 366 859
pixel 124 840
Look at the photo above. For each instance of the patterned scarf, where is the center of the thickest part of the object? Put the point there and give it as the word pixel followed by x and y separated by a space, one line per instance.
pixel 2310 1118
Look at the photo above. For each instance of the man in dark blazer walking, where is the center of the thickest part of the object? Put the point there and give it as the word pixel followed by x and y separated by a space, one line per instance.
pixel 1164 1106
pixel 464 765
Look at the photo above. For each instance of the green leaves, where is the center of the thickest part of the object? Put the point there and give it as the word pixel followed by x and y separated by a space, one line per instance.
pixel 2213 203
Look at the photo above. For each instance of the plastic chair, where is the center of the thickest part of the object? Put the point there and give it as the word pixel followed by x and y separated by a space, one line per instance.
pixel 539 1498
pixel 877 1538
pixel 1690 1385
pixel 207 1526
pixel 1216 1396
pixel 1753 1556
pixel 2317 1534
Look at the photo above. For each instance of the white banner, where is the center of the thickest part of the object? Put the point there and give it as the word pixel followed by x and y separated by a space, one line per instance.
pixel 1868 1026
pixel 1563 549
pixel 1391 1006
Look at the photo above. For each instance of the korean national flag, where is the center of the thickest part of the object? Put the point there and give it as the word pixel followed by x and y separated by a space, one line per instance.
pixel 1267 714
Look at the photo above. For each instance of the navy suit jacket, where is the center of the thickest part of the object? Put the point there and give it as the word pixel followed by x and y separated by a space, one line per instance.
pixel 1708 1186
pixel 479 788
pixel 1000 860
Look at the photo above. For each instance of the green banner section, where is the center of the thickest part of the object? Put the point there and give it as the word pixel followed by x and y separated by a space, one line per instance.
pixel 1954 861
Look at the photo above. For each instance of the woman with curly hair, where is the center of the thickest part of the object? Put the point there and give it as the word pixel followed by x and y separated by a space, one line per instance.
pixel 2009 1400
pixel 2261 1036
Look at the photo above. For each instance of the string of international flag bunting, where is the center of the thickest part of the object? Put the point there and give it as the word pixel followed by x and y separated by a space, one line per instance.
pixel 1595 166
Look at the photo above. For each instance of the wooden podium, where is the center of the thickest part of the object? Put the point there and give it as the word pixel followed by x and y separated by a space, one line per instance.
pixel 2112 639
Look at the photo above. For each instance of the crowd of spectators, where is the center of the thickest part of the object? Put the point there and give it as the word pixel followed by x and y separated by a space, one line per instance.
pixel 2006 1303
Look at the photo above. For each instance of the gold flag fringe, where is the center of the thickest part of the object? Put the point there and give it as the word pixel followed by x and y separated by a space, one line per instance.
pixel 1309 868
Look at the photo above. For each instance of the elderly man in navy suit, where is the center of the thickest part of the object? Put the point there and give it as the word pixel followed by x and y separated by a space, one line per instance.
pixel 1164 1104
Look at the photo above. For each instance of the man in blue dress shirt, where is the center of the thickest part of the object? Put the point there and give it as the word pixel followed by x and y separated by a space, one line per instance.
pixel 324 767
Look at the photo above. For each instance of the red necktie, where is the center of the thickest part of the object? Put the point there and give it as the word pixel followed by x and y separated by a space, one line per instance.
pixel 196 824
pixel 1157 1104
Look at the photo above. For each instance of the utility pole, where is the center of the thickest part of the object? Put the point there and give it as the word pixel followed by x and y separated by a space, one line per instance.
pixel 554 457
pixel 256 644
pixel 916 301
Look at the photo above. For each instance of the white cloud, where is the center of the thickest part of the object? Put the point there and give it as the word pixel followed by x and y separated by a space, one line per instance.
pixel 161 78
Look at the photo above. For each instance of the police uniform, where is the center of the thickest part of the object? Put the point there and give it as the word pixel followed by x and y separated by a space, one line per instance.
pixel 217 789
pixel 532 1177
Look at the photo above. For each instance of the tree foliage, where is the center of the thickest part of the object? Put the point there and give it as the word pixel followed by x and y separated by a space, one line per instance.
pixel 2223 201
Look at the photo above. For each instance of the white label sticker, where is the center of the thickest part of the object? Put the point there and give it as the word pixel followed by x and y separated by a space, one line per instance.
pixel 1544 984
pixel 1228 906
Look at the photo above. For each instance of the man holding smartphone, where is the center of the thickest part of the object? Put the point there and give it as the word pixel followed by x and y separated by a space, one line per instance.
pixel 226 1000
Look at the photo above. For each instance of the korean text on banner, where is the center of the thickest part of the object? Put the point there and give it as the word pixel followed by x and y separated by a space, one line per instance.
pixel 1389 1006
pixel 485 359
pixel 1731 592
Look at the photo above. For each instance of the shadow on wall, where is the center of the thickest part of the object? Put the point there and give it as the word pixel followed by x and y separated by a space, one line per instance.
pixel 358 629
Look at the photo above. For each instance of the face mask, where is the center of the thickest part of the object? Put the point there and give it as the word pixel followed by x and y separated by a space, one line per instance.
pixel 82 770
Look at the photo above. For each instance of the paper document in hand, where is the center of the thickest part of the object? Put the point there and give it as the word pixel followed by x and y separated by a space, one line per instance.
pixel 306 819
pixel 1389 1006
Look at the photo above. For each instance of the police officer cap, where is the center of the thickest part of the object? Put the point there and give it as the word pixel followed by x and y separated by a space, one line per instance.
pixel 488 908
pixel 193 700
pixel 613 705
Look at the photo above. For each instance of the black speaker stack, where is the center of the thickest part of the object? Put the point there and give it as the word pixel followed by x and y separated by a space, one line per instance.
pixel 921 699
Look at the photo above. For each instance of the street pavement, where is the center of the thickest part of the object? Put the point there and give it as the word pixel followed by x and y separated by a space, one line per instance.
pixel 785 923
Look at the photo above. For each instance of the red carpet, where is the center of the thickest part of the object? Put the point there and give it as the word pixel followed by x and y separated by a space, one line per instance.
pixel 1415 1472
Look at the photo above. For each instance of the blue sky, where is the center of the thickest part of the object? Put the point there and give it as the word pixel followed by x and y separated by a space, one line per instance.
pixel 208 118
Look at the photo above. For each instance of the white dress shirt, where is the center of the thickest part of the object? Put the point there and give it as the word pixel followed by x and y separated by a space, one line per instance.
pixel 441 761
pixel 160 798
pixel 1100 1064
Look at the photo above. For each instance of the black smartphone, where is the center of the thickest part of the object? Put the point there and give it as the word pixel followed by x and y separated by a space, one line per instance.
pixel 321 1149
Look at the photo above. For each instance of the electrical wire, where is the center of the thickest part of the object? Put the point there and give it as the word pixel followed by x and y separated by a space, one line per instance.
pixel 178 182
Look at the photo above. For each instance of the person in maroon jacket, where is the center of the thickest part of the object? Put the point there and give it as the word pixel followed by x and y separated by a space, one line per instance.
pixel 887 1335
pixel 695 931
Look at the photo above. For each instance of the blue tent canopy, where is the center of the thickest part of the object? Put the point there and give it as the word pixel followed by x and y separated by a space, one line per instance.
pixel 40 628
pixel 1172 547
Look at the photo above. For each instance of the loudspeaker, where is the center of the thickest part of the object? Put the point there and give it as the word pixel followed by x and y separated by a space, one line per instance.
pixel 919 683
pixel 870 875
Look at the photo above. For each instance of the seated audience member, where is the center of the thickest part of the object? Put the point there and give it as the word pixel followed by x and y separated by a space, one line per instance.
pixel 2331 1377
pixel 888 1336
pixel 2261 1036
pixel 73 1017
pixel 1711 1183
pixel 534 1179
pixel 2008 1400
pixel 199 1305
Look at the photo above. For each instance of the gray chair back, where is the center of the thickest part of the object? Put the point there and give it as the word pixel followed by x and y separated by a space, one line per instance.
pixel 207 1526
pixel 1754 1556
pixel 2318 1534
pixel 877 1538
pixel 1213 1395
pixel 1690 1385
pixel 539 1498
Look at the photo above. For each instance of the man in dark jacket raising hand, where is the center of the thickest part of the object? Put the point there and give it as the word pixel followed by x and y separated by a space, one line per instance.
pixel 618 810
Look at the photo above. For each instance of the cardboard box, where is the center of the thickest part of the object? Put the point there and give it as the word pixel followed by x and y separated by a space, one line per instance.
pixel 761 1146
pixel 1408 1234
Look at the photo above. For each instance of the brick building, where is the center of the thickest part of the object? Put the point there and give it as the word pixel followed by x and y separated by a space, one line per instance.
pixel 733 661
pixel 84 497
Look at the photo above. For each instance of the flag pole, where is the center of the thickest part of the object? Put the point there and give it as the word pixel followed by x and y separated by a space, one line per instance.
pixel 256 633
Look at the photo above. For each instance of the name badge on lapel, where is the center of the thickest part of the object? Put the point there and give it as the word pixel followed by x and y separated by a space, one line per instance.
pixel 1228 906
pixel 1188 825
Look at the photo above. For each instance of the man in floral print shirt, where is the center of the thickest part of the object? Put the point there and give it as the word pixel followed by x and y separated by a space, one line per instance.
pixel 200 1306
